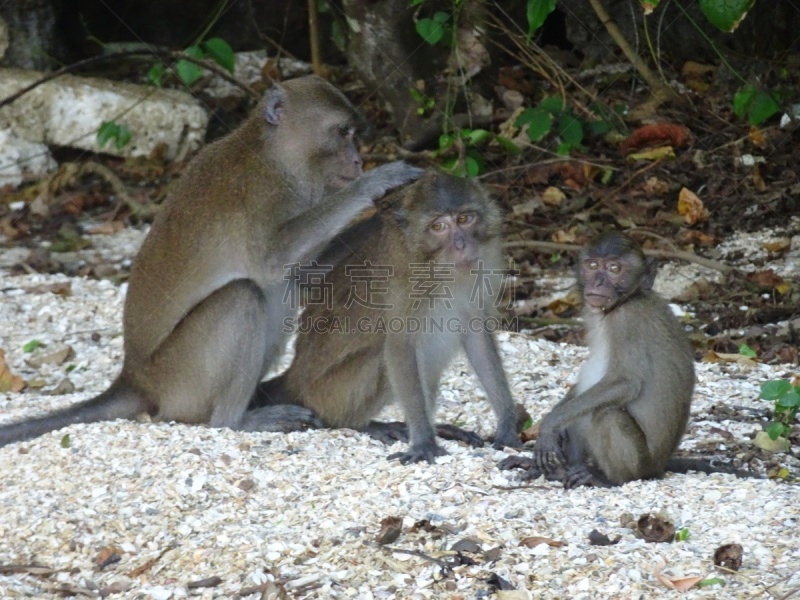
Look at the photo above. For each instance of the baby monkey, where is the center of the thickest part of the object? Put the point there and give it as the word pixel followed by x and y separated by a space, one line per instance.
pixel 421 285
pixel 627 412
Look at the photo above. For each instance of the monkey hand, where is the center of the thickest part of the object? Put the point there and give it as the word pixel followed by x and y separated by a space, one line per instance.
pixel 374 184
pixel 419 452
pixel 548 454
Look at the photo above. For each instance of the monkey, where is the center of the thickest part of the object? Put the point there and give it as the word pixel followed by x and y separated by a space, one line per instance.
pixel 628 410
pixel 202 319
pixel 434 262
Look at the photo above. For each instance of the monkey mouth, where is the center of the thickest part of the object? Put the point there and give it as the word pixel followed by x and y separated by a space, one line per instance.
pixel 597 300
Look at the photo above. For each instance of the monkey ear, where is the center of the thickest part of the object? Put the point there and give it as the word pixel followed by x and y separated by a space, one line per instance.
pixel 650 270
pixel 275 104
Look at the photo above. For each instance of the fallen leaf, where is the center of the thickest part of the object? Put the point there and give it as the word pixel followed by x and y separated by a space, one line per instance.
pixel 729 556
pixel 659 134
pixel 653 154
pixel 108 555
pixel 781 246
pixel 552 196
pixel 601 539
pixel 55 357
pixel 691 207
pixel 533 541
pixel 8 381
pixel 655 187
pixel 757 137
pixel 723 357
pixel 62 288
pixel 391 527
pixel 681 584
pixel 499 583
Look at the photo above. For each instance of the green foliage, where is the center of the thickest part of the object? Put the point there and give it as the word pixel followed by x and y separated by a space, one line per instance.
pixel 786 397
pixel 682 535
pixel 710 581
pixel 65 441
pixel 725 14
pixel 746 350
pixel 436 29
pixel 469 160
pixel 424 103
pixel 553 111
pixel 756 105
pixel 31 346
pixel 215 49
pixel 537 12
pixel 111 130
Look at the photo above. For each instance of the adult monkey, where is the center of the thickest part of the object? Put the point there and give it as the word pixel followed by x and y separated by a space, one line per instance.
pixel 435 258
pixel 203 318
pixel 628 410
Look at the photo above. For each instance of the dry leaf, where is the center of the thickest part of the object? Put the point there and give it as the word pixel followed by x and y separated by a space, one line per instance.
pixel 667 135
pixel 757 137
pixel 653 154
pixel 682 584
pixel 776 446
pixel 8 381
pixel 781 246
pixel 564 237
pixel 533 541
pixel 722 357
pixel 655 187
pixel 391 527
pixel 553 196
pixel 691 207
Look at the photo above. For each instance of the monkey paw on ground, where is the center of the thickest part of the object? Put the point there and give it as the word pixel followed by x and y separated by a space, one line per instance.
pixel 548 455
pixel 281 418
pixel 418 453
pixel 584 475
pixel 387 433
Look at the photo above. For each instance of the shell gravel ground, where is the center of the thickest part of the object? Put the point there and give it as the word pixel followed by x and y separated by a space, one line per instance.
pixel 179 504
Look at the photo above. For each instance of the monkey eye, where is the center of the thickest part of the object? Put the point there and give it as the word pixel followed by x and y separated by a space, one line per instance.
pixel 438 226
pixel 614 267
pixel 592 264
pixel 465 218
pixel 347 130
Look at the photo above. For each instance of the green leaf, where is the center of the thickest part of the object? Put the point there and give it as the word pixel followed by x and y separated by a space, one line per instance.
pixel 441 17
pixel 155 74
pixel 71 368
pixel 599 127
pixel 527 424
pixel 742 100
pixel 554 258
pixel 570 129
pixel 107 131
pixel 220 52
pixel 65 443
pixel 476 136
pixel 508 145
pixel 775 430
pixel 538 121
pixel 430 31
pixel 537 13
pixel 746 350
pixel 339 36
pixel 682 535
pixel 710 581
pixel 725 14
pixel 472 166
pixel 553 104
pixel 123 136
pixel 190 72
pixel 31 346
pixel 446 140
pixel 789 399
pixel 762 108
pixel 563 148
pixel 774 389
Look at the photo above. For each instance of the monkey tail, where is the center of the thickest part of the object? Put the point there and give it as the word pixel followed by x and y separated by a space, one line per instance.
pixel 684 465
pixel 120 401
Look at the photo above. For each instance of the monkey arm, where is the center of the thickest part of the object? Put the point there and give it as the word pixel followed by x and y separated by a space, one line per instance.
pixel 406 381
pixel 607 393
pixel 482 354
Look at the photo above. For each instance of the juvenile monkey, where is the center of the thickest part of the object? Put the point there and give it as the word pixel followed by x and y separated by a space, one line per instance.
pixel 627 412
pixel 203 317
pixel 421 286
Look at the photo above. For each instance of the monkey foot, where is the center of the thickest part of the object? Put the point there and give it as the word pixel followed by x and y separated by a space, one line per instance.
pixel 583 475
pixel 451 432
pixel 530 470
pixel 415 454
pixel 281 418
pixel 388 433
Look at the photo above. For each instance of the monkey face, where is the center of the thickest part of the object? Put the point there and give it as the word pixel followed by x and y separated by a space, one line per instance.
pixel 454 235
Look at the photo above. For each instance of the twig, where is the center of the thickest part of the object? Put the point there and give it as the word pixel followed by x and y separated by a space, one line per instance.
pixel 660 91
pixel 160 54
pixel 443 564
pixel 313 27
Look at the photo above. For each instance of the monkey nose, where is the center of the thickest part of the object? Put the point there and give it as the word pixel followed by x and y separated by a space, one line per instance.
pixel 459 243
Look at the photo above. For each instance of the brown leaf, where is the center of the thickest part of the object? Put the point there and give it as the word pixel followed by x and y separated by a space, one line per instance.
pixel 54 357
pixel 781 246
pixel 62 288
pixel 659 134
pixel 729 556
pixel 552 196
pixel 533 541
pixel 391 527
pixel 652 528
pixel 713 356
pixel 655 187
pixel 108 555
pixel 8 381
pixel 691 207
pixel 681 584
